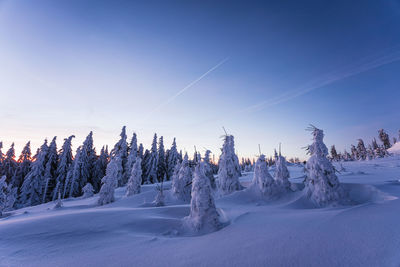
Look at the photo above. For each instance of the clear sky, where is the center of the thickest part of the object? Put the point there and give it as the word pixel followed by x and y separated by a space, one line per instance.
pixel 263 70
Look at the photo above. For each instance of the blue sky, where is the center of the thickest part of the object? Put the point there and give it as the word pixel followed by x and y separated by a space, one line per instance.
pixel 69 67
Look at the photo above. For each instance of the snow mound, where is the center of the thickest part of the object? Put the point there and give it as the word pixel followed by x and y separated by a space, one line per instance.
pixel 395 149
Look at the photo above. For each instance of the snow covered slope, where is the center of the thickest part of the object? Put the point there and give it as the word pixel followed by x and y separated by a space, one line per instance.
pixel 283 232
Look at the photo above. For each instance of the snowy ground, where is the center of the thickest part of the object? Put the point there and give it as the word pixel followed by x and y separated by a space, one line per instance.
pixel 283 232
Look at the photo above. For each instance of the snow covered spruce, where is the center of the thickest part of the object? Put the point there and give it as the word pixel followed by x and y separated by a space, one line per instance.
pixel 181 181
pixel 228 168
pixel 110 181
pixel 203 217
pixel 263 184
pixel 322 185
pixel 135 180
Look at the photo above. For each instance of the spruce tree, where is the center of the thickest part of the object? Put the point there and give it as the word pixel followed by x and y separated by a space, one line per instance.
pixel 110 181
pixel 162 166
pixel 263 183
pixel 24 166
pixel 121 150
pixel 100 167
pixel 228 173
pixel 87 190
pixel 282 173
pixel 32 188
pixel 64 165
pixel 151 163
pixel 208 169
pixel 72 185
pixel 9 164
pixel 322 186
pixel 181 183
pixel 135 180
pixel 203 215
pixel 334 154
pixel 133 154
pixel 3 195
pixel 172 160
pixel 50 172
pixel 384 137
pixel 361 150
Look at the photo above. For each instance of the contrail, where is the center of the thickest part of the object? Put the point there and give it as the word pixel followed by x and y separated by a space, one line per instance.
pixel 325 80
pixel 172 98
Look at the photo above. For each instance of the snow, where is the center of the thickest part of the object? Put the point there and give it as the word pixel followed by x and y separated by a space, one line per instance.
pixel 395 149
pixel 284 232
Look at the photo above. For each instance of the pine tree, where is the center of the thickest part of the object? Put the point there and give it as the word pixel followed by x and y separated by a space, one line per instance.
pixel 203 215
pixel 384 137
pixel 9 164
pixel 100 167
pixel 354 153
pixel 87 190
pixel 110 181
pixel 162 166
pixel 282 173
pixel 361 150
pixel 228 174
pixel 1 159
pixel 87 160
pixel 135 179
pixel 32 188
pixel 121 150
pixel 151 163
pixel 322 186
pixel 181 182
pixel 263 183
pixel 24 166
pixel 64 165
pixel 172 160
pixel 141 151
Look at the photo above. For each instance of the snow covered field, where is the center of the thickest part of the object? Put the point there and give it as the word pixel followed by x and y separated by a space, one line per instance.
pixel 282 232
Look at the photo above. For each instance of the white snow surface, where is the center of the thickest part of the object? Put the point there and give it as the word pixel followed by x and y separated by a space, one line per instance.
pixel 395 149
pixel 288 231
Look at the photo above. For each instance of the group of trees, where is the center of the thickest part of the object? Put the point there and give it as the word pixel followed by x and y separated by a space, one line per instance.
pixel 363 151
pixel 50 173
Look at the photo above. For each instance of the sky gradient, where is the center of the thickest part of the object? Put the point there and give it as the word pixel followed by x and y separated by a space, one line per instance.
pixel 262 69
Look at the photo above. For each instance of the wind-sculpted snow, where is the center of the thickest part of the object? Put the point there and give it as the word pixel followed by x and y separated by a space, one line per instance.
pixel 258 231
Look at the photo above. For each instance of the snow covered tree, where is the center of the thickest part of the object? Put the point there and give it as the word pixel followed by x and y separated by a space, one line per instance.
pixel 64 165
pixel 203 215
pixel 361 150
pixel 354 153
pixel 181 182
pixel 50 171
pixel 71 188
pixel 135 180
pixel 133 154
pixel 110 181
pixel 162 166
pixel 229 169
pixel 384 137
pixel 151 163
pixel 121 150
pixel 263 183
pixel 334 154
pixel 32 187
pixel 208 170
pixel 24 166
pixel 59 202
pixel 282 173
pixel 141 151
pixel 100 167
pixel 3 194
pixel 87 160
pixel 370 153
pixel 9 164
pixel 1 159
pixel 322 186
pixel 88 190
pixel 172 160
